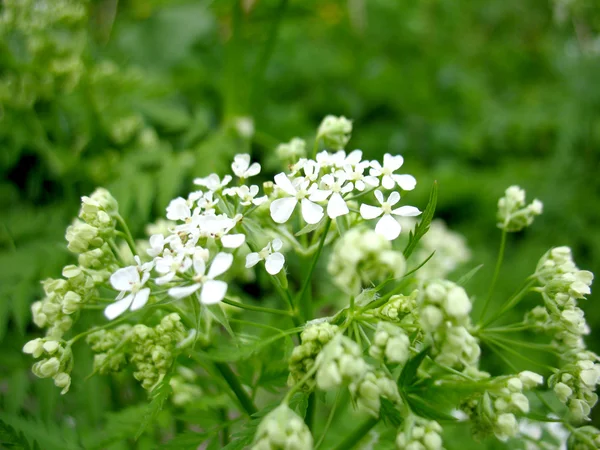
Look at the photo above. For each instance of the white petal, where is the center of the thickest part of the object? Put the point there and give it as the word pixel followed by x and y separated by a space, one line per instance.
pixel 274 263
pixel 140 299
pixel 406 182
pixel 276 244
pixel 318 195
pixel 406 211
pixel 379 196
pixel 233 240
pixel 360 185
pixel 213 292
pixel 393 198
pixel 388 227
pixel 220 264
pixel 311 212
pixel 282 209
pixel 392 162
pixel 184 291
pixel 371 181
pixel 284 183
pixel 252 259
pixel 254 169
pixel 199 264
pixel 337 206
pixel 123 278
pixel 388 182
pixel 165 278
pixel 260 200
pixel 178 209
pixel 354 157
pixel 115 309
pixel 370 212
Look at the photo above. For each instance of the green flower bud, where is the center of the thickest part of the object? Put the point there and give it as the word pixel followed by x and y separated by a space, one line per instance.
pixel 335 132
pixel 282 429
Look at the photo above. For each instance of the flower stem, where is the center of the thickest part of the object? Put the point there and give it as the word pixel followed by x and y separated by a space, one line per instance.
pixel 354 438
pixel 245 401
pixel 496 273
pixel 306 305
pixel 329 419
pixel 516 298
pixel 311 409
pixel 128 236
pixel 256 308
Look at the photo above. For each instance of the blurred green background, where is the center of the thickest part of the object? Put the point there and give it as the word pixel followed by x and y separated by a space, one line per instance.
pixel 140 96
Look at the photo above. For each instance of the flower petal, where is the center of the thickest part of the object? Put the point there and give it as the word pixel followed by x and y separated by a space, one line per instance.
pixel 184 291
pixel 370 212
pixel 371 181
pixel 393 198
pixel 253 170
pixel 388 182
pixel 318 195
pixel 220 264
pixel 233 240
pixel 337 206
pixel 388 227
pixel 406 211
pixel 392 162
pixel 311 212
pixel 379 196
pixel 115 309
pixel 282 209
pixel 213 292
pixel 123 278
pixel 274 263
pixel 140 299
pixel 252 259
pixel 283 182
pixel 406 182
pixel 276 244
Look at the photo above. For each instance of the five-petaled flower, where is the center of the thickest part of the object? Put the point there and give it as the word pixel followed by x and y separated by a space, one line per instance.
pixel 242 168
pixel 303 191
pixel 389 178
pixel 387 226
pixel 273 259
pixel 129 279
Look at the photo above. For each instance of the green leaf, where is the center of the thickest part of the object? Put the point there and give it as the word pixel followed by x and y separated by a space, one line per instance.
pixel 216 311
pixel 425 409
pixel 409 371
pixel 390 414
pixel 189 440
pixel 159 394
pixel 11 439
pixel 51 436
pixel 423 226
pixel 299 403
pixel 119 427
pixel 467 276
pixel 311 227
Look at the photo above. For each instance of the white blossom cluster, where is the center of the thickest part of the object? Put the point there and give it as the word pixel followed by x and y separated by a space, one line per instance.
pixel 420 434
pixel 282 429
pixel 57 361
pixel 390 344
pixel 513 213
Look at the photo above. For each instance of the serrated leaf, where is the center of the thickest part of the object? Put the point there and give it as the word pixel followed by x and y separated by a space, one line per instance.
pixel 423 226
pixel 119 427
pixel 188 440
pixel 11 439
pixel 52 436
pixel 389 413
pixel 159 395
pixel 409 371
pixel 424 409
pixel 216 311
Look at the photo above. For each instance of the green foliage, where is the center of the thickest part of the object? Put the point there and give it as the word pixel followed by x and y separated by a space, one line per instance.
pixel 423 226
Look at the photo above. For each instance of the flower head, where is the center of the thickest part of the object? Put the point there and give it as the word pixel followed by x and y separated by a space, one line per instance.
pixel 242 168
pixel 129 279
pixel 387 226
pixel 389 178
pixel 301 191
pixel 274 260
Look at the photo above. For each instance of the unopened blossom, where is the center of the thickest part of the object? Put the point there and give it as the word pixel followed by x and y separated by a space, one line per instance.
pixel 213 182
pixel 213 290
pixel 389 178
pixel 242 168
pixel 305 193
pixel 273 259
pixel 335 131
pixel 387 226
pixel 129 279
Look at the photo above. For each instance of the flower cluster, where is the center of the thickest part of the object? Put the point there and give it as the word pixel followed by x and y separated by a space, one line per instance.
pixel 513 213
pixel 185 389
pixel 361 258
pixel 419 434
pixel 282 429
pixel 56 364
pixel 444 315
pixel 390 344
pixel 399 308
pixel 108 346
pixel 368 390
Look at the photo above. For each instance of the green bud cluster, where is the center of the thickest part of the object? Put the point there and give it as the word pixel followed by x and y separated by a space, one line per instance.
pixel 56 364
pixel 282 429
pixel 584 438
pixel 335 132
pixel 444 315
pixel 367 391
pixel 513 213
pixel 495 411
pixel 419 434
pixel 154 349
pixel 361 257
pixel 292 151
pixel 390 344
pixel 48 37
pixel 185 390
pixel 314 337
pixel 340 362
pixel 111 355
pixel 399 308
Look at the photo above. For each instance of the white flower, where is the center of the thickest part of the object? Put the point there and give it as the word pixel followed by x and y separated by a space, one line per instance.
pixel 336 186
pixel 247 195
pixel 354 169
pixel 389 180
pixel 387 226
pixel 326 159
pixel 270 255
pixel 178 209
pixel 218 227
pixel 129 279
pixel 157 244
pixel 207 202
pixel 213 182
pixel 213 291
pixel 242 168
pixel 170 264
pixel 282 208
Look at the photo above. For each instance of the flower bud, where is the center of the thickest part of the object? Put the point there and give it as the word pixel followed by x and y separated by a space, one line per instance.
pixel 284 429
pixel 34 347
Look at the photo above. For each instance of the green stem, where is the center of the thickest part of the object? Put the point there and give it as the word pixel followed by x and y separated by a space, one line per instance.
pixel 311 409
pixel 245 401
pixel 128 236
pixel 329 419
pixel 256 308
pixel 496 273
pixel 306 305
pixel 355 437
pixel 512 302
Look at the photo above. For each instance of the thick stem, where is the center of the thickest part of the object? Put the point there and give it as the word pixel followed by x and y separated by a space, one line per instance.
pixel 496 273
pixel 245 401
pixel 355 437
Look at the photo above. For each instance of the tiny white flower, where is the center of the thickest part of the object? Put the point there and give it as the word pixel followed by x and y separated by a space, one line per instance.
pixel 157 244
pixel 307 194
pixel 387 226
pixel 212 182
pixel 354 169
pixel 178 209
pixel 170 264
pixel 335 187
pixel 129 279
pixel 326 159
pixel 273 259
pixel 389 179
pixel 208 202
pixel 242 168
pixel 213 291
pixel 247 195
pixel 218 227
